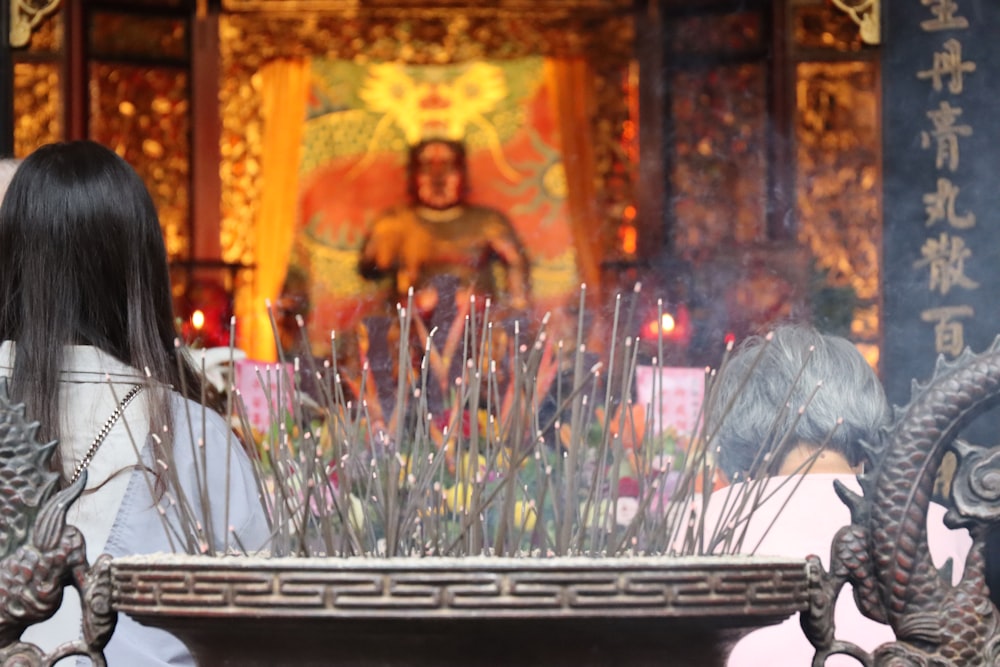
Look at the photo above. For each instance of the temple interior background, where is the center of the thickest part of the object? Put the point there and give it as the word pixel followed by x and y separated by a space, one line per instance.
pixel 724 153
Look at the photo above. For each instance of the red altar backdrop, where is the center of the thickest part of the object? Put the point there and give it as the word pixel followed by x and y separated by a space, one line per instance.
pixel 362 118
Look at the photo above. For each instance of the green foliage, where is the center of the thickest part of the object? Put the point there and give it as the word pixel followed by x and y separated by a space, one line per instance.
pixel 832 306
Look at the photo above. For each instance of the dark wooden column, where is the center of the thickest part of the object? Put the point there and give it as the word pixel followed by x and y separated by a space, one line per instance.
pixel 781 181
pixel 76 110
pixel 206 186
pixel 650 189
pixel 6 83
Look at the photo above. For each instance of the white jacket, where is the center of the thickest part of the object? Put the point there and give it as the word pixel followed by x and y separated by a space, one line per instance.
pixel 117 513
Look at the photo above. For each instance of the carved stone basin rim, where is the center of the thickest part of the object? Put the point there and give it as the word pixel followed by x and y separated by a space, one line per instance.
pixel 725 588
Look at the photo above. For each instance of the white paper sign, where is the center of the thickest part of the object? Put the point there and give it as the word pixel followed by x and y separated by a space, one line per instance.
pixel 681 392
pixel 261 400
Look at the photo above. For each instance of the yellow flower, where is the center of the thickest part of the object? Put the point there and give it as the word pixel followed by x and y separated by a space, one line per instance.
pixel 483 421
pixel 356 512
pixel 324 439
pixel 405 470
pixel 502 459
pixel 525 515
pixel 458 497
pixel 470 472
pixel 505 457
pixel 596 511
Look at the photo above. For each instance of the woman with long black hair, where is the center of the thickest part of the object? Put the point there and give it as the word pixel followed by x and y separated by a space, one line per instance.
pixel 87 325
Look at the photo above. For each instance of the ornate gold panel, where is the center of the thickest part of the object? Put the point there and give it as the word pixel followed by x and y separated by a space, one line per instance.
pixel 116 34
pixel 838 179
pixel 488 7
pixel 47 36
pixel 713 33
pixel 37 106
pixel 823 27
pixel 720 177
pixel 142 113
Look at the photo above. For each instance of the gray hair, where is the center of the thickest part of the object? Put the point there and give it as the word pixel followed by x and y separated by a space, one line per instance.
pixel 760 390
pixel 7 168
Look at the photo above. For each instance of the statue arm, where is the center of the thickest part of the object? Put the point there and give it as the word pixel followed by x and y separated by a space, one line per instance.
pixel 367 266
pixel 380 250
pixel 511 252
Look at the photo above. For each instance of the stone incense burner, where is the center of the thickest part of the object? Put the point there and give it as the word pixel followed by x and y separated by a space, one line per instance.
pixel 460 611
pixel 368 612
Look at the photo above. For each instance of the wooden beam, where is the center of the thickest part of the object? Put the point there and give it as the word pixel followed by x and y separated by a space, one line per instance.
pixel 650 188
pixel 6 83
pixel 76 112
pixel 206 186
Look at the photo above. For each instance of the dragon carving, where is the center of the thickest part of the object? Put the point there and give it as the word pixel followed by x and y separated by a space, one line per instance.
pixel 884 552
pixel 39 553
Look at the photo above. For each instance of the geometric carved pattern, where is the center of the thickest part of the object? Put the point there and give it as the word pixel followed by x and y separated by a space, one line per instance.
pixel 691 588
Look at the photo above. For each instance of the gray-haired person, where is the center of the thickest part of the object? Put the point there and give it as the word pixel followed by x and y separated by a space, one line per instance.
pixel 797 395
pixel 791 410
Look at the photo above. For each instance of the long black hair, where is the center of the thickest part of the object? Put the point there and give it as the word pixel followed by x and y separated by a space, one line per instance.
pixel 82 262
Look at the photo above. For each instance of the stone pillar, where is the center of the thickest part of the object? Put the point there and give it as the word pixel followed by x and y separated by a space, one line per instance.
pixel 941 254
pixel 941 129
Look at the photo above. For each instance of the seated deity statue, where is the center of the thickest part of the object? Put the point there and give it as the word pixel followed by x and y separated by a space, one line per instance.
pixel 442 247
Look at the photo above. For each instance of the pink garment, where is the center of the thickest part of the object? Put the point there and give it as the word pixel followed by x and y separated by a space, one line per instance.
pixel 805 525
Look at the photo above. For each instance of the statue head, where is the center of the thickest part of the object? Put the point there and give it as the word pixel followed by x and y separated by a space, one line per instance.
pixel 437 173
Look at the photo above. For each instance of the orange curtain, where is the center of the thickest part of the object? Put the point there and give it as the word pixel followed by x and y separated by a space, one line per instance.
pixel 284 91
pixel 571 83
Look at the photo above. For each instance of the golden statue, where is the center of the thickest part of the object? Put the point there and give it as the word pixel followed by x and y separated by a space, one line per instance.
pixel 447 251
pixel 443 248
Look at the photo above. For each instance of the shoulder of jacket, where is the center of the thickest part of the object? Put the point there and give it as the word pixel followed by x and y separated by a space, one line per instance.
pixel 191 418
